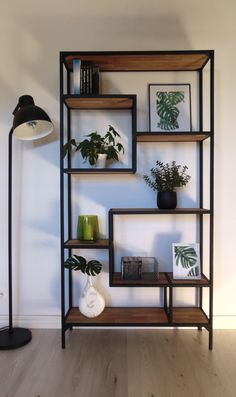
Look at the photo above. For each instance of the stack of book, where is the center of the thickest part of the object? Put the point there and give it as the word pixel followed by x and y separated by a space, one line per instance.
pixel 85 77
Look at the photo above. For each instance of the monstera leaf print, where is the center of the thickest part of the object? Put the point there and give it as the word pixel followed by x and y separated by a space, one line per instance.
pixel 186 257
pixel 167 110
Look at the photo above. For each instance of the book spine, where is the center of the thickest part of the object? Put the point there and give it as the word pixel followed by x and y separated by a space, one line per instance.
pixel 91 78
pixel 87 79
pixel 76 76
pixel 95 80
pixel 83 78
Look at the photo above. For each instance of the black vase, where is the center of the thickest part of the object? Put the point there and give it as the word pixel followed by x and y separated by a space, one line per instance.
pixel 166 200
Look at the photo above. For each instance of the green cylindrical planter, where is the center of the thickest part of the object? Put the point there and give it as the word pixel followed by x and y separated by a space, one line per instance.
pixel 88 227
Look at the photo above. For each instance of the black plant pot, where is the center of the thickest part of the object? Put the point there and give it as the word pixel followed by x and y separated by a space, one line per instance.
pixel 166 200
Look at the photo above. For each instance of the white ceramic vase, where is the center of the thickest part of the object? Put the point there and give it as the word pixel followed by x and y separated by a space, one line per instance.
pixel 91 302
pixel 101 161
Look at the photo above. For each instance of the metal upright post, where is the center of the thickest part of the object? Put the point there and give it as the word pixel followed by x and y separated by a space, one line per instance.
pixel 62 207
pixel 211 198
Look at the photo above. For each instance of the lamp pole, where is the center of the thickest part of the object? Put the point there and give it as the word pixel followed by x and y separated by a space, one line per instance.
pixel 10 227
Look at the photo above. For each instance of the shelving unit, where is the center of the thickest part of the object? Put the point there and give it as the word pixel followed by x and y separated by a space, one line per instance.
pixel 168 315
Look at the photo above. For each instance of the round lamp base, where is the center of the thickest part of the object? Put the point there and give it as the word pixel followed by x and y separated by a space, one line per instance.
pixel 15 338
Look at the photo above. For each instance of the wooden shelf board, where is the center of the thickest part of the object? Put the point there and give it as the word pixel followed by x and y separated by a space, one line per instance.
pixel 139 316
pixel 99 102
pixel 203 282
pixel 98 171
pixel 189 315
pixel 147 280
pixel 153 61
pixel 120 316
pixel 101 243
pixel 172 137
pixel 157 211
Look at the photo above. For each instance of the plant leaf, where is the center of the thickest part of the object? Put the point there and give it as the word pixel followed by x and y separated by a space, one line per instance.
pixel 185 256
pixel 92 268
pixel 67 148
pixel 167 110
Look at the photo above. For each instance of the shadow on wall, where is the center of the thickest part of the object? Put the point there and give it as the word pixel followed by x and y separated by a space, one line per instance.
pixel 163 246
pixel 43 38
pixel 35 67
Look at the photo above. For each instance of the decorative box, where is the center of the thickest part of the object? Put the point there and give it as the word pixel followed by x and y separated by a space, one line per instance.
pixel 149 267
pixel 131 267
pixel 139 267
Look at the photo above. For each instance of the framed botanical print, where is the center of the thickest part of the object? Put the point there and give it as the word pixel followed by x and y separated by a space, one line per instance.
pixel 186 261
pixel 170 108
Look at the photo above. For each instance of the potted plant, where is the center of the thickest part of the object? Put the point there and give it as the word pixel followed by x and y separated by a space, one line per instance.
pixel 95 145
pixel 91 302
pixel 165 178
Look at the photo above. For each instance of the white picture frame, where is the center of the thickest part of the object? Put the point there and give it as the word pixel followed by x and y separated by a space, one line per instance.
pixel 170 108
pixel 186 261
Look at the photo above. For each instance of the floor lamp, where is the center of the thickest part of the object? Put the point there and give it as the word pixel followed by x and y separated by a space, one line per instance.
pixel 30 123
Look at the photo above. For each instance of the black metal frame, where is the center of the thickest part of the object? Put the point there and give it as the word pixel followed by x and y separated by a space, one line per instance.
pixel 208 136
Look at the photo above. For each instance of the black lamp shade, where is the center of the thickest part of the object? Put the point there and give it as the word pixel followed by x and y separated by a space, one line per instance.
pixel 30 121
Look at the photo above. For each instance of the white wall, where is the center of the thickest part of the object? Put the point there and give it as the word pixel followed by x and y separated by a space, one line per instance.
pixel 31 36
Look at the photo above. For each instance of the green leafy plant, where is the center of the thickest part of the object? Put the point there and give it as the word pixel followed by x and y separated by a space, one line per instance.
pixel 167 110
pixel 186 257
pixel 75 262
pixel 167 177
pixel 96 144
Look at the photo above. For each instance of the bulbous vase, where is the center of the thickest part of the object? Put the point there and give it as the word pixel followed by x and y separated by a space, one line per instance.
pixel 91 302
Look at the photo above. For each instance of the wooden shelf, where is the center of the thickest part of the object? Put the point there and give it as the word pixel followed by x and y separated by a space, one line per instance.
pixel 203 282
pixel 98 244
pixel 139 316
pixel 172 136
pixel 141 61
pixel 189 316
pixel 120 316
pixel 148 280
pixel 157 211
pixel 164 280
pixel 99 102
pixel 99 171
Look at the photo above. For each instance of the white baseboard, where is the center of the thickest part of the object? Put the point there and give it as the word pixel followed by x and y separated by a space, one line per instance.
pixel 47 322
pixel 224 322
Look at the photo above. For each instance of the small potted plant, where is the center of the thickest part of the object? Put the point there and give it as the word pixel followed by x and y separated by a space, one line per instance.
pixel 165 178
pixel 96 147
pixel 91 302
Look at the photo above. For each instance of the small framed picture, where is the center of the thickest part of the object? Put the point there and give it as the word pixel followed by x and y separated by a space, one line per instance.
pixel 186 261
pixel 170 108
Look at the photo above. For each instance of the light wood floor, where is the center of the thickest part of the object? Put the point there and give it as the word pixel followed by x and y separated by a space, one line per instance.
pixel 121 363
